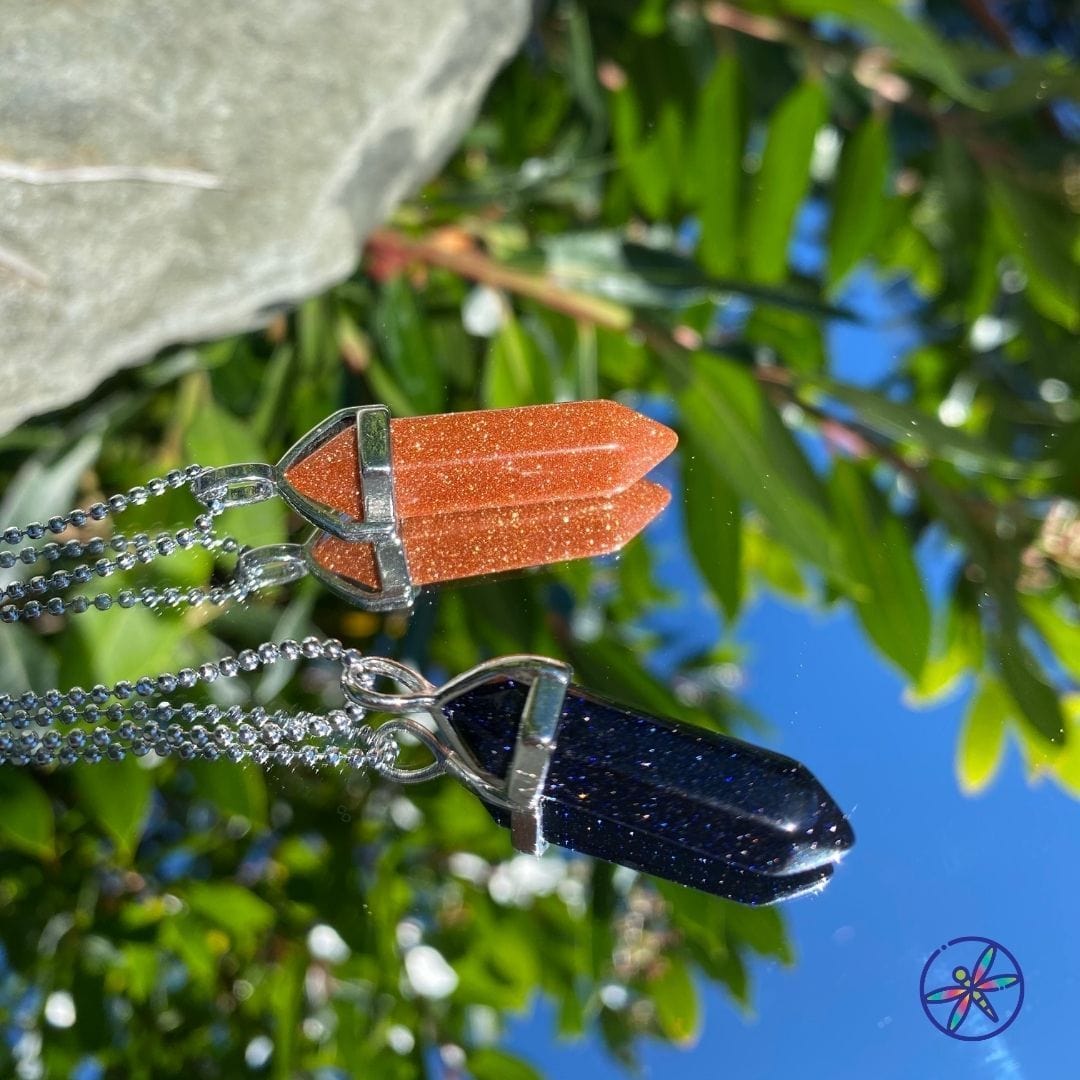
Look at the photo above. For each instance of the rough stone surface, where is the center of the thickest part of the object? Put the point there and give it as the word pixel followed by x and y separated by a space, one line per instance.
pixel 173 171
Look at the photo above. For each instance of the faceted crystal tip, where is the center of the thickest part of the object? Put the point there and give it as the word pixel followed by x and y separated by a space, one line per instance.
pixel 497 540
pixel 686 804
pixel 457 462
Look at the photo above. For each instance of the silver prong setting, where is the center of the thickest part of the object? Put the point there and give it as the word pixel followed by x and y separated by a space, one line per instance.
pixel 379 527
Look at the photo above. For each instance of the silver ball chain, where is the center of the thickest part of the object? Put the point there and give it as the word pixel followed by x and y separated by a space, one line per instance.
pixel 109 722
pixel 19 599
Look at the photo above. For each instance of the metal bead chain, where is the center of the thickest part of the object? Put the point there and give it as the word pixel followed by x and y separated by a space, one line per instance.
pixel 82 725
pixel 339 738
pixel 115 504
pixel 21 596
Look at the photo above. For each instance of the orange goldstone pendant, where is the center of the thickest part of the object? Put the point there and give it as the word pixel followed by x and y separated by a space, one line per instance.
pixel 419 500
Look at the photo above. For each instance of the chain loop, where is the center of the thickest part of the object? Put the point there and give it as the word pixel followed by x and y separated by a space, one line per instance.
pixel 137 717
pixel 34 597
pixel 116 504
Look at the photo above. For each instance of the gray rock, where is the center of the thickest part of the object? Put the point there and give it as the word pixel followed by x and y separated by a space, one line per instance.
pixel 173 170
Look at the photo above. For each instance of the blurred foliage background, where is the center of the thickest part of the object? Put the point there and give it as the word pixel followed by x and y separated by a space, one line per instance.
pixel 665 201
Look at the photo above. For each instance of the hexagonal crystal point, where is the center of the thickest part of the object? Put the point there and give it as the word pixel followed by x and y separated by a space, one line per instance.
pixel 683 803
pixel 485 492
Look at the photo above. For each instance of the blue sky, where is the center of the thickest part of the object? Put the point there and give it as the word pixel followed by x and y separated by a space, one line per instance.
pixel 929 864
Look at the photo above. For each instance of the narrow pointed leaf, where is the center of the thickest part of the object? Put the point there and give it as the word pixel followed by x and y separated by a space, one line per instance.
pixel 858 198
pixel 912 428
pixel 516 372
pixel 1036 700
pixel 982 736
pixel 26 816
pixel 676 1003
pixel 116 795
pixel 782 182
pixel 914 45
pixel 1062 636
pixel 646 155
pixel 718 148
pixel 961 650
pixel 796 336
pixel 888 593
pixel 405 346
pixel 1033 230
pixel 729 419
pixel 490 1063
pixel 714 529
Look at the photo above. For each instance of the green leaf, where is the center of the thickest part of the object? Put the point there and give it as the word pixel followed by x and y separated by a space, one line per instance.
pixel 26 816
pixel 274 391
pixel 904 247
pixel 604 263
pixel 516 372
pixel 858 198
pixel 405 346
pixel 25 661
pixel 316 377
pixel 490 1063
pixel 730 422
pixel 714 528
pixel 962 649
pixel 1065 767
pixel 184 936
pixel 914 45
pixel 761 929
pixel 888 591
pixel 286 1000
pixel 981 747
pixel 610 668
pixel 216 437
pixel 1035 698
pixel 1036 232
pixel 1060 634
pixel 139 970
pixel 1020 84
pixel 676 1002
pixel 795 336
pixel 48 480
pixel 913 429
pixel 772 562
pixel 782 182
pixel 717 170
pixel 116 795
pixel 646 159
pixel 238 911
pixel 233 790
pixel 126 644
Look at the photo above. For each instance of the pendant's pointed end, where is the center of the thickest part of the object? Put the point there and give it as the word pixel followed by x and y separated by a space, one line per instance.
pixel 642 442
pixel 698 809
pixel 451 547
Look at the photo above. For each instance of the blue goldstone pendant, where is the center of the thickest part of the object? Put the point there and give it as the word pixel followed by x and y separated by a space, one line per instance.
pixel 558 764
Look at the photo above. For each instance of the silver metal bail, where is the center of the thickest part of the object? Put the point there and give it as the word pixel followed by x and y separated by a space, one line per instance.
pixel 269 566
pixel 521 792
pixel 379 525
pixel 235 485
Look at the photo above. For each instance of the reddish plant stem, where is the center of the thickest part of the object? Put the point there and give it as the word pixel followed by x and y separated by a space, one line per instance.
pixel 391 252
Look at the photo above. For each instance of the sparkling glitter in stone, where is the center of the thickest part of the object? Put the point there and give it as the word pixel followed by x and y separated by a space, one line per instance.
pixel 481 542
pixel 680 802
pixel 457 462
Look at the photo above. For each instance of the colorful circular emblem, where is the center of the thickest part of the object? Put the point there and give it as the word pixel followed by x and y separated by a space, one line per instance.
pixel 972 989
